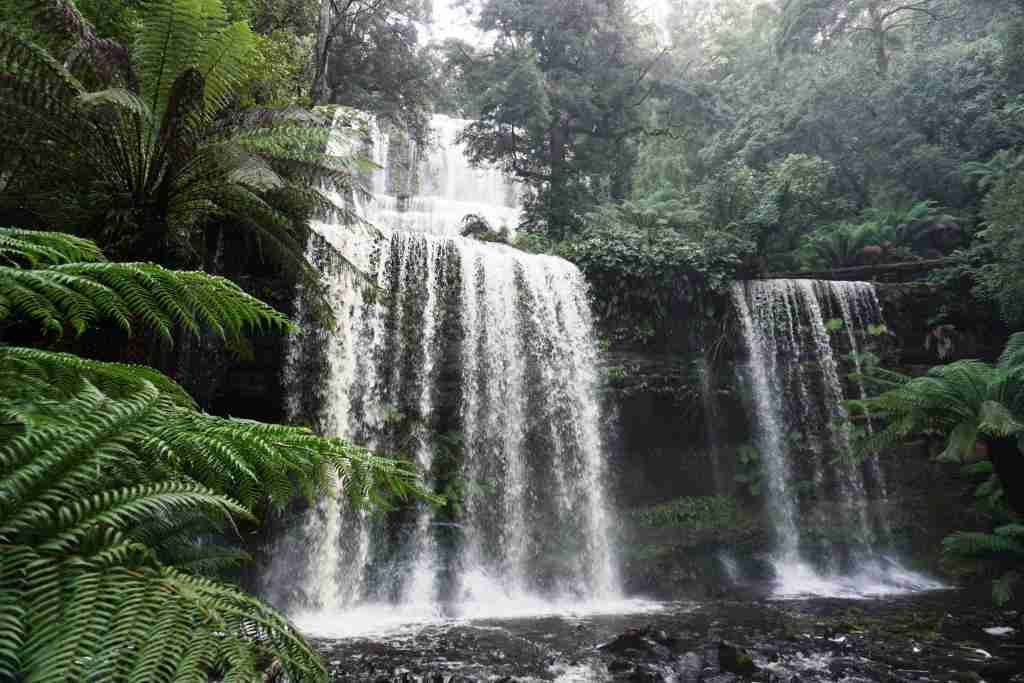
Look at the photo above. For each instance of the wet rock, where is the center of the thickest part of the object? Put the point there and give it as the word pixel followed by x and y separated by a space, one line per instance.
pixel 711 663
pixel 721 678
pixel 998 671
pixel 689 667
pixel 639 674
pixel 619 666
pixel 841 667
pixel 736 660
pixel 638 644
pixel 999 631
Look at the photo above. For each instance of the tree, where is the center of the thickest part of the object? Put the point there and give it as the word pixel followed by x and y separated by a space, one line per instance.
pixel 147 160
pixel 999 249
pixel 820 22
pixel 118 494
pixel 640 255
pixel 559 98
pixel 367 56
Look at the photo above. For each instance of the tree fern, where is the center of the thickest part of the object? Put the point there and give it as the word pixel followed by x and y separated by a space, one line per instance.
pixel 967 403
pixel 145 163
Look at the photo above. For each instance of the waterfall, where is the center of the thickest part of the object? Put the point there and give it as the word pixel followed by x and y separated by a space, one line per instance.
pixel 819 500
pixel 478 362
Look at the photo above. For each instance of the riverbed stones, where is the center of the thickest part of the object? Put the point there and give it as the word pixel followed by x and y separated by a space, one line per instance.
pixel 638 644
pixel 690 668
pixel 736 660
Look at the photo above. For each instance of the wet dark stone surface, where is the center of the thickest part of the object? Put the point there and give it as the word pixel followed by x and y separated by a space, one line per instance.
pixel 928 637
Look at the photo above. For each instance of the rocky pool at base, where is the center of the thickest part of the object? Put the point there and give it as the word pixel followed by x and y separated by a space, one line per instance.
pixel 923 637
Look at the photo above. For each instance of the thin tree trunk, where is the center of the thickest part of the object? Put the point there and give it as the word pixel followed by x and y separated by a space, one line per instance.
pixel 1008 462
pixel 878 35
pixel 320 91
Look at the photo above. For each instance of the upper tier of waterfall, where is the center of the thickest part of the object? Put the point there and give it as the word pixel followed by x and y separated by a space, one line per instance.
pixel 432 187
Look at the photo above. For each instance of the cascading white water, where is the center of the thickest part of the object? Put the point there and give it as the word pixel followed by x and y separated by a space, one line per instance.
pixel 803 434
pixel 432 189
pixel 493 350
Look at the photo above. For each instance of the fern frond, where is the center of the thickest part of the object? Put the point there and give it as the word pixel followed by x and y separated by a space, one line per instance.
pixel 225 64
pixel 1013 355
pixel 1012 530
pixel 78 294
pixel 976 544
pixel 58 376
pixel 30 63
pixel 976 469
pixel 960 443
pixel 259 462
pixel 124 99
pixel 253 462
pixel 168 43
pixel 33 248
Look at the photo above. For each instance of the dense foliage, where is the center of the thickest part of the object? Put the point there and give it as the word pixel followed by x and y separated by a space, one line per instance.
pixel 642 258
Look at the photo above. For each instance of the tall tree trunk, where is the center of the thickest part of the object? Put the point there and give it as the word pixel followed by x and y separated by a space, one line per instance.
pixel 558 218
pixel 1008 462
pixel 320 90
pixel 879 38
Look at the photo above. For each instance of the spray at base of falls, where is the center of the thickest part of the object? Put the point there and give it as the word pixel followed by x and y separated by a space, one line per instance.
pixel 478 361
pixel 803 435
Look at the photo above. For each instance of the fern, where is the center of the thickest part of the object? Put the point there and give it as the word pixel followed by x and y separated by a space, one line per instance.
pixel 32 248
pixel 82 588
pixel 254 462
pixel 83 595
pixel 1003 588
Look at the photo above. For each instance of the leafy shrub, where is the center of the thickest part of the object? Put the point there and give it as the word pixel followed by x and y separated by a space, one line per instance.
pixel 640 262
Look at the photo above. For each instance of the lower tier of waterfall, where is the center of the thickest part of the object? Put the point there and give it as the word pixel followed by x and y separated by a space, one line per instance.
pixel 794 332
pixel 478 362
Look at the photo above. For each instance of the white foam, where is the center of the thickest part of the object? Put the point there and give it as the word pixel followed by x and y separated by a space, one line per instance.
pixel 877 578
pixel 379 619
